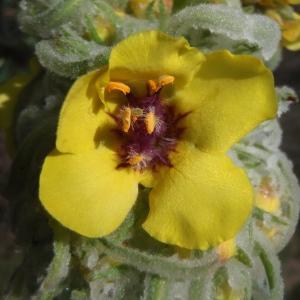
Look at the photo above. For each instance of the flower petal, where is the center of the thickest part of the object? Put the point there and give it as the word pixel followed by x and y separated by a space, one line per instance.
pixel 149 55
pixel 82 117
pixel 204 200
pixel 86 193
pixel 229 97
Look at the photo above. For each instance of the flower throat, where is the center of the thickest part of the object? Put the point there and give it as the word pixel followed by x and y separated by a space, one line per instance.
pixel 147 126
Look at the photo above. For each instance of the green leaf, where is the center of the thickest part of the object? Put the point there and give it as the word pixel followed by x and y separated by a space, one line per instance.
pixel 222 21
pixel 40 20
pixel 157 264
pixel 243 257
pixel 259 214
pixel 269 269
pixel 121 4
pixel 93 31
pixel 71 56
pixel 59 267
pixel 149 13
pixel 155 288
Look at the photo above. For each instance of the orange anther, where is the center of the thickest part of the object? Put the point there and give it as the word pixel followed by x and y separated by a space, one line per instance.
pixel 226 250
pixel 126 119
pixel 150 122
pixel 136 159
pixel 118 86
pixel 153 86
pixel 165 80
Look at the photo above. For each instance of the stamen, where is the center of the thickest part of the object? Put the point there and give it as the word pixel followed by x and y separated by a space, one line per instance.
pixel 135 160
pixel 153 86
pixel 165 80
pixel 126 119
pixel 148 127
pixel 118 86
pixel 150 121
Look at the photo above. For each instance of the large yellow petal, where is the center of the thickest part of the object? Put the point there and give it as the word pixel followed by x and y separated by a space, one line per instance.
pixel 86 193
pixel 204 200
pixel 229 97
pixel 83 122
pixel 151 54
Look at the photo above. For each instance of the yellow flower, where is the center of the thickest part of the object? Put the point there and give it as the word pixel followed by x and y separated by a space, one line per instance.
pixel 164 115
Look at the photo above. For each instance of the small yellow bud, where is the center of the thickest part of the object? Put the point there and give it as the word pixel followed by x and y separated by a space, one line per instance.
pixel 291 30
pixel 226 250
pixel 139 7
pixel 100 30
pixel 266 197
pixel 273 14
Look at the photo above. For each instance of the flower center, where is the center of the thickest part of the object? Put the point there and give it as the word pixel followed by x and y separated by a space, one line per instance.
pixel 148 127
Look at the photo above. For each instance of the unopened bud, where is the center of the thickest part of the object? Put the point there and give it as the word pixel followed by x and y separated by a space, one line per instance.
pixel 139 7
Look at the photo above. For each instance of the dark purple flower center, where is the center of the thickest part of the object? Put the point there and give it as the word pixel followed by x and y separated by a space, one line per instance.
pixel 148 128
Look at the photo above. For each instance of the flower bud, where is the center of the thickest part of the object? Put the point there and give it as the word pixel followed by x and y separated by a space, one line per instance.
pixel 266 197
pixel 139 7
